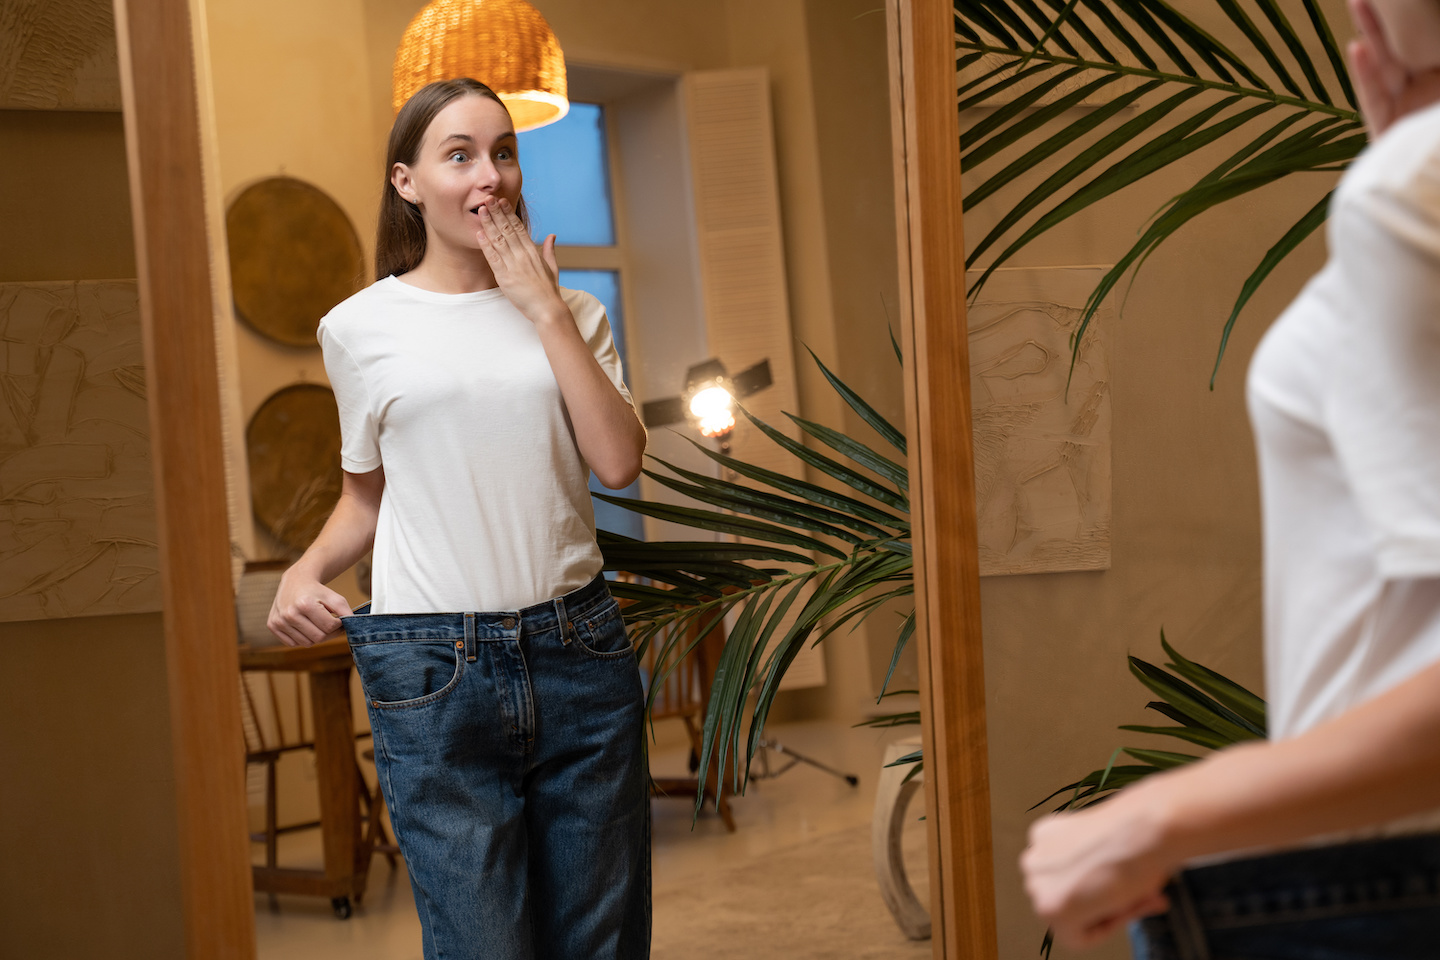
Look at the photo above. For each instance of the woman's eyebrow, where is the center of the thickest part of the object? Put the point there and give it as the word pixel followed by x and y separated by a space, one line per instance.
pixel 465 137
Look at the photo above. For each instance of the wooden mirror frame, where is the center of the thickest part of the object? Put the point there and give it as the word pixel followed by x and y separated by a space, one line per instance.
pixel 172 258
pixel 925 130
pixel 172 248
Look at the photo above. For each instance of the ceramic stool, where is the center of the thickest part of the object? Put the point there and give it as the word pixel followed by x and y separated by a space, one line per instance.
pixel 892 798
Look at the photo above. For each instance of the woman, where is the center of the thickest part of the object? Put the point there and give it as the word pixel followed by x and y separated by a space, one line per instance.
pixel 475 397
pixel 1344 396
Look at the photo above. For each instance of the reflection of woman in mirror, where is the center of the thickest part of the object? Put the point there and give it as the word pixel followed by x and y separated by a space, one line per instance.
pixel 475 396
pixel 1344 396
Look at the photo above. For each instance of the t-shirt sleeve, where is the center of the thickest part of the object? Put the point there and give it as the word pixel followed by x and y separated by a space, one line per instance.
pixel 359 432
pixel 1382 406
pixel 594 326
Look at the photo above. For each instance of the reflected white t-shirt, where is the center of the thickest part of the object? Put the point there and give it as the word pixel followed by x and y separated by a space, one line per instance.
pixel 486 506
pixel 1344 396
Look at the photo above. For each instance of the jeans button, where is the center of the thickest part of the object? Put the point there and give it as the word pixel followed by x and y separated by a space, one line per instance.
pixel 508 622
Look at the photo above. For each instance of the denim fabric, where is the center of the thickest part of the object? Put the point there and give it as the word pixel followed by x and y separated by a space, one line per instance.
pixel 509 749
pixel 1368 900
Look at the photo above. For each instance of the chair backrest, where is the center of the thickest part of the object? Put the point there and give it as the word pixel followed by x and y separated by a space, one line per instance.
pixel 274 711
pixel 684 670
pixel 678 690
pixel 258 584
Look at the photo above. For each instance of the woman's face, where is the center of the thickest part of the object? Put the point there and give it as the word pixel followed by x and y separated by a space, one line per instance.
pixel 1412 31
pixel 469 153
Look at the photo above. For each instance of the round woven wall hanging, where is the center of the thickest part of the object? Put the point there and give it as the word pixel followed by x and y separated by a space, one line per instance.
pixel 293 446
pixel 293 256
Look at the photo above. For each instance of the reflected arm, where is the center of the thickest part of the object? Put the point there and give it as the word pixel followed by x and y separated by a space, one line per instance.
pixel 305 610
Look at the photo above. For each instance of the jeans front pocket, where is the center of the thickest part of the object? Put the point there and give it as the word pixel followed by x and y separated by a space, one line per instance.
pixel 408 673
pixel 601 632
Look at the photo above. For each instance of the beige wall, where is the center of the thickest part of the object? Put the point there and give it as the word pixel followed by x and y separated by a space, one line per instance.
pixel 289 97
pixel 64 198
pixel 1186 537
pixel 780 36
pixel 850 80
pixel 87 819
pixel 87 807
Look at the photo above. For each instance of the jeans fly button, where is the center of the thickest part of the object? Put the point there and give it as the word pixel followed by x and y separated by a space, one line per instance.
pixel 508 622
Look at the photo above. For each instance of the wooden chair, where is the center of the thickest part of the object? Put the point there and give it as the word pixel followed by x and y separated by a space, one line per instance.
pixel 262 706
pixel 276 719
pixel 682 694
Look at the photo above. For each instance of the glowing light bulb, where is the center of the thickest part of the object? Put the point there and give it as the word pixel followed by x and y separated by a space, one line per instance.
pixel 716 425
pixel 712 408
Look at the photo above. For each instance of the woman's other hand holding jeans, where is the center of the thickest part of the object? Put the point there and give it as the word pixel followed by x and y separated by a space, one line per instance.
pixel 1090 872
pixel 306 611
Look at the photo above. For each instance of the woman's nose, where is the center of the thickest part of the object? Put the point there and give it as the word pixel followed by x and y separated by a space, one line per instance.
pixel 486 173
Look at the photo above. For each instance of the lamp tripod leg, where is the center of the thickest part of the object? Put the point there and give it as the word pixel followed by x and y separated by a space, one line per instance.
pixel 779 747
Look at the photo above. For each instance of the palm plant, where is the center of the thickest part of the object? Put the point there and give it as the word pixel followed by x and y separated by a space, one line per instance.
pixel 1212 711
pixel 810 560
pixel 1173 89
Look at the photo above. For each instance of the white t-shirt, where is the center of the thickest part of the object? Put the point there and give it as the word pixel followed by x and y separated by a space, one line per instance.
pixel 485 505
pixel 1344 396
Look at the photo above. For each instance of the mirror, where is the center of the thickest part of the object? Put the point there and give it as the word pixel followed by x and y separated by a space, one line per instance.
pixel 302 92
pixel 180 895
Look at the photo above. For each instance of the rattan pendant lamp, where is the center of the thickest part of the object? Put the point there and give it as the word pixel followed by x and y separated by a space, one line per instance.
pixel 505 44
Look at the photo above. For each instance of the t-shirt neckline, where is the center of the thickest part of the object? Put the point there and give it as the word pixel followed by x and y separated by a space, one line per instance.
pixel 431 296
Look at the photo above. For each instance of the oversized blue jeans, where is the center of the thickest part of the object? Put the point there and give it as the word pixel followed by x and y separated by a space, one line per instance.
pixel 1368 900
pixel 509 748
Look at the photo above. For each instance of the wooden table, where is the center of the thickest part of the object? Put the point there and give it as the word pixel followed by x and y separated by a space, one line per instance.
pixel 347 858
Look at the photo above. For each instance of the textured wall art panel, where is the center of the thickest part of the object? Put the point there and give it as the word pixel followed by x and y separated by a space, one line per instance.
pixel 77 504
pixel 58 55
pixel 1042 452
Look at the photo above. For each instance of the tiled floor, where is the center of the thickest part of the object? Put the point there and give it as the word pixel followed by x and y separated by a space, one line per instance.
pixel 785 812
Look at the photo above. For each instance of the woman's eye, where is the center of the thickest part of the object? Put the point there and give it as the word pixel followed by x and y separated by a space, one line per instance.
pixel 505 153
pixel 459 156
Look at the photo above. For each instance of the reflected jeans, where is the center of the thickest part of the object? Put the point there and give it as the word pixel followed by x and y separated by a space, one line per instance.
pixel 509 749
pixel 1367 900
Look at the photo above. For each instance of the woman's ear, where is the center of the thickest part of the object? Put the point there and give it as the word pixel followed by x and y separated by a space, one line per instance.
pixel 403 184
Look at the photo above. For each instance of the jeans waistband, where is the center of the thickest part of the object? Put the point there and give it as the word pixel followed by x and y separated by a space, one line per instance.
pixel 478 625
pixel 1311 882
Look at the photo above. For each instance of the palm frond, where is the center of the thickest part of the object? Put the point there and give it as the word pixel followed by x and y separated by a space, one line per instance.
pixel 906 719
pixel 892 435
pixel 811 560
pixel 1163 89
pixel 907 630
pixel 1213 711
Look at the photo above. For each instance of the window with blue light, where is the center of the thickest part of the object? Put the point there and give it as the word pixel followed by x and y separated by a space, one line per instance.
pixel 603 285
pixel 567 193
pixel 567 179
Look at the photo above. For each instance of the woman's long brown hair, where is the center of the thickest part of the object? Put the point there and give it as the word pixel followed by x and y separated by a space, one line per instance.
pixel 400 236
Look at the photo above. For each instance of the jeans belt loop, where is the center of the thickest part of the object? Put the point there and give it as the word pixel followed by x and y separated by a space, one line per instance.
pixel 1185 923
pixel 564 620
pixel 469 638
